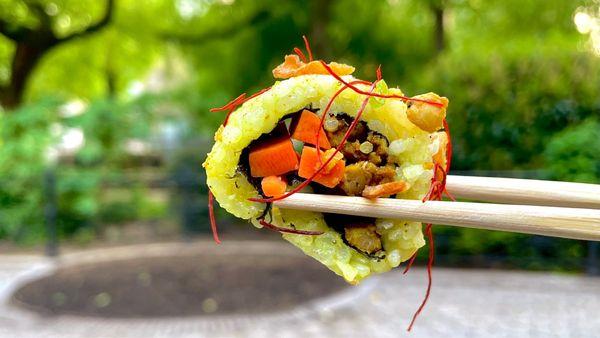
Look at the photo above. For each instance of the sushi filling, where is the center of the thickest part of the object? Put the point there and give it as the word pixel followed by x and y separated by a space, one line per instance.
pixel 281 159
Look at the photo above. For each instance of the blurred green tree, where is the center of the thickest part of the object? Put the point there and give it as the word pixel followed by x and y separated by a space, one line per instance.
pixel 22 163
pixel 574 153
pixel 34 31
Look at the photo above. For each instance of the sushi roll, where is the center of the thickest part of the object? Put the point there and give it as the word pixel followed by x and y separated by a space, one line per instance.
pixel 320 130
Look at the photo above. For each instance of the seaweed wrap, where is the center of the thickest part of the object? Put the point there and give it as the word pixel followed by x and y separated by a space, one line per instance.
pixel 320 130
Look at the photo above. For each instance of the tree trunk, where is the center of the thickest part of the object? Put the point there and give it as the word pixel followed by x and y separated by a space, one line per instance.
pixel 111 74
pixel 320 14
pixel 24 61
pixel 439 31
pixel 31 45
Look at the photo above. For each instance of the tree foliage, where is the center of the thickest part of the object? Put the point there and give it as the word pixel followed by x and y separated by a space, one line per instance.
pixel 35 31
pixel 574 153
pixel 23 163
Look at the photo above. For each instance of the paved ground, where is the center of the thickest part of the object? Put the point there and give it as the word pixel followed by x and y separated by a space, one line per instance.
pixel 464 303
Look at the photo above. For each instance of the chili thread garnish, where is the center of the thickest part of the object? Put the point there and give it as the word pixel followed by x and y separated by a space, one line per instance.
pixel 326 111
pixel 238 101
pixel 448 157
pixel 410 263
pixel 448 145
pixel 300 54
pixel 307 45
pixel 437 189
pixel 230 107
pixel 392 96
pixel 337 150
pixel 289 230
pixel 429 234
pixel 328 107
pixel 260 92
pixel 230 104
pixel 211 215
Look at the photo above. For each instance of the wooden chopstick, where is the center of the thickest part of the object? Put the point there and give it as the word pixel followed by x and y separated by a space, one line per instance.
pixel 521 191
pixel 575 223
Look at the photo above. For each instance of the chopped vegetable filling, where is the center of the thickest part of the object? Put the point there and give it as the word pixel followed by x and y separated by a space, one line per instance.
pixel 360 168
pixel 305 128
pixel 385 189
pixel 273 186
pixel 364 238
pixel 273 157
pixel 361 174
pixel 309 164
pixel 355 149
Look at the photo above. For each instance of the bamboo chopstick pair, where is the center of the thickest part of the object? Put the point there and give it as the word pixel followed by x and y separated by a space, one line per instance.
pixel 559 209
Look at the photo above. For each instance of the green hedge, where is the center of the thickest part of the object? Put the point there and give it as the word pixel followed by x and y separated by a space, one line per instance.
pixel 80 181
pixel 505 105
pixel 511 108
pixel 574 153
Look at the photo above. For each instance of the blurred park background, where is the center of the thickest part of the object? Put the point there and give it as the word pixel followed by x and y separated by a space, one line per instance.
pixel 104 119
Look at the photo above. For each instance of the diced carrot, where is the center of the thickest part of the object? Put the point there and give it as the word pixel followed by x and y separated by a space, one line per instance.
pixel 309 164
pixel 337 156
pixel 273 186
pixel 305 126
pixel 385 189
pixel 273 157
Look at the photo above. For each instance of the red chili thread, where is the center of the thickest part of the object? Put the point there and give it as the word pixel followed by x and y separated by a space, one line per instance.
pixel 435 193
pixel 260 92
pixel 300 54
pixel 448 157
pixel 230 107
pixel 230 104
pixel 307 45
pixel 289 230
pixel 233 104
pixel 337 150
pixel 448 145
pixel 379 77
pixel 429 275
pixel 449 195
pixel 410 263
pixel 393 96
pixel 211 215
pixel 227 116
pixel 327 108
